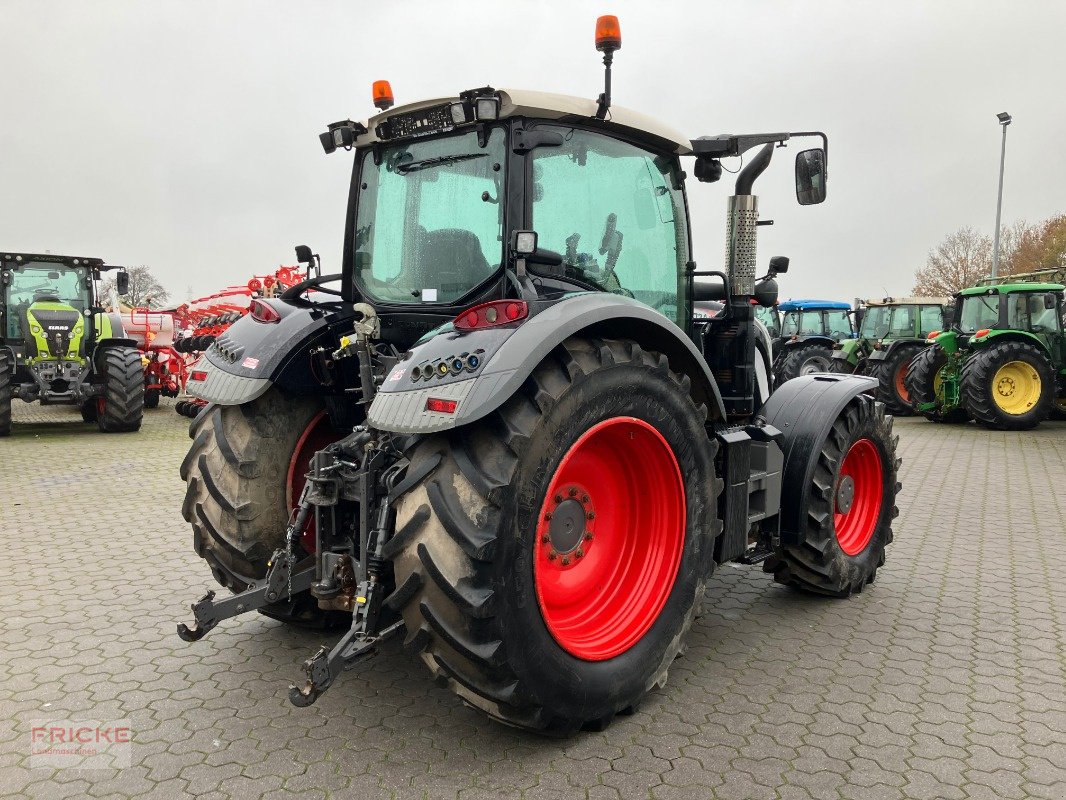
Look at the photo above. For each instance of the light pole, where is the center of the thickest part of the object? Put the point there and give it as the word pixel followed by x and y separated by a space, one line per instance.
pixel 1004 120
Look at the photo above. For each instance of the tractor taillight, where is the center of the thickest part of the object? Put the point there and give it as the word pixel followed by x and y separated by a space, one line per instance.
pixel 197 375
pixel 492 315
pixel 441 406
pixel 982 332
pixel 262 312
pixel 933 334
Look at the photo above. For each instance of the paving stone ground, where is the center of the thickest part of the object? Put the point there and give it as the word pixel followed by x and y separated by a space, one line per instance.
pixel 946 679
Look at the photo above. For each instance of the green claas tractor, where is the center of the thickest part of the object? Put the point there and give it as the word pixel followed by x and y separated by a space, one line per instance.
pixel 57 345
pixel 1002 362
pixel 507 436
pixel 891 333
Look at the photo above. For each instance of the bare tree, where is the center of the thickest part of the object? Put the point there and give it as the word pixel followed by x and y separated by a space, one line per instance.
pixel 957 262
pixel 145 291
pixel 1041 246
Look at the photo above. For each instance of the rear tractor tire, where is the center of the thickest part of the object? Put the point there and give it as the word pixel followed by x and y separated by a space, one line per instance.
pixel 891 375
pixel 7 389
pixel 804 359
pixel 244 473
pixel 121 407
pixel 1008 386
pixel 923 384
pixel 552 558
pixel 850 504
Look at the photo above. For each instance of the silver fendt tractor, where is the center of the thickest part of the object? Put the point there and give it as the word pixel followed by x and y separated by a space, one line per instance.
pixel 507 435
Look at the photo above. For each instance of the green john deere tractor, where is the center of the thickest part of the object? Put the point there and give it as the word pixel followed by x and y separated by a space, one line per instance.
pixel 1002 362
pixel 892 331
pixel 59 347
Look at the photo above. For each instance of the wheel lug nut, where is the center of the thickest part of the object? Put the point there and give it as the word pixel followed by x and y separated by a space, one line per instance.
pixel 558 498
pixel 547 517
pixel 585 499
pixel 552 555
pixel 573 492
pixel 591 515
pixel 588 536
pixel 545 539
pixel 566 561
pixel 579 552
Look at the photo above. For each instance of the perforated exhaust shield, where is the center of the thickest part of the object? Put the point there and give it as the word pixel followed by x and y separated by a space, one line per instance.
pixel 740 242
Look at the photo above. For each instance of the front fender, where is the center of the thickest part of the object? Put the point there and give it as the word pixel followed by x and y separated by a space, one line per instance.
pixel 509 356
pixel 847 350
pixel 804 410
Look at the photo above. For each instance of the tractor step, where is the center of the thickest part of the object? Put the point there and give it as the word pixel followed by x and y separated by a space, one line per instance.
pixel 755 555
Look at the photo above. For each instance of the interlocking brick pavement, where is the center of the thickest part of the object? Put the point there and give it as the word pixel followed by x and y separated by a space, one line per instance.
pixel 946 679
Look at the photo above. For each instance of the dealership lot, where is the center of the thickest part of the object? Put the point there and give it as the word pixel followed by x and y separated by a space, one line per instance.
pixel 945 679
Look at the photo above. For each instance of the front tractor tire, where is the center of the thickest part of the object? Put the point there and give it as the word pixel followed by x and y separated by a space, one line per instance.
pixel 121 407
pixel 243 475
pixel 7 390
pixel 922 382
pixel 850 504
pixel 552 558
pixel 891 375
pixel 1009 386
pixel 803 359
pixel 841 366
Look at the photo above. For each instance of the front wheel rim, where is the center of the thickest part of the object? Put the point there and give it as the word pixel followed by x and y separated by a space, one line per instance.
pixel 857 497
pixel 609 539
pixel 1016 387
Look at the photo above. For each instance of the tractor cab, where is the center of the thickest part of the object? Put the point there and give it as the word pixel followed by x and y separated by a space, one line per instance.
pixel 810 329
pixel 54 337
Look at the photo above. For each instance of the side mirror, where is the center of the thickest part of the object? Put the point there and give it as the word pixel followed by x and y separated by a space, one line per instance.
pixel 704 290
pixel 779 265
pixel 1050 301
pixel 810 176
pixel 304 254
pixel 122 283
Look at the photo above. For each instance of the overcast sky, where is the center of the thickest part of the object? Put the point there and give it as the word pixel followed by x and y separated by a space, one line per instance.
pixel 184 135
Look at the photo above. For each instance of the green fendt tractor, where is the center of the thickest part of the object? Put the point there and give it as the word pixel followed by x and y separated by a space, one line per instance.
pixel 540 452
pixel 892 332
pixel 57 345
pixel 1002 362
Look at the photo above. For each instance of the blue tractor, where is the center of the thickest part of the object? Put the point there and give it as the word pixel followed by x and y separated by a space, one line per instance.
pixel 809 330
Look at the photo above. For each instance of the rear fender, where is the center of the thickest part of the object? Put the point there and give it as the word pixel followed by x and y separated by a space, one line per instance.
pixel 1013 335
pixel 825 341
pixel 804 410
pixel 508 356
pixel 259 354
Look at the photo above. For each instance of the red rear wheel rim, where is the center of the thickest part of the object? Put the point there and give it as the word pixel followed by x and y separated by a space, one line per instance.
pixel 901 387
pixel 317 435
pixel 858 496
pixel 609 538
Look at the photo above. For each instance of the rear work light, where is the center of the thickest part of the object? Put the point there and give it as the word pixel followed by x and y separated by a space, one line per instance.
pixel 262 312
pixel 441 406
pixel 492 315
pixel 197 375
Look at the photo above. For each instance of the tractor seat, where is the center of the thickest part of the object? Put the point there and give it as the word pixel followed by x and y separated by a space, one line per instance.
pixel 45 296
pixel 452 259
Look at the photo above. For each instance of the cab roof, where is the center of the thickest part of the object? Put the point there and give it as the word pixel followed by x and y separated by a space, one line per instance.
pixel 813 305
pixel 70 261
pixel 565 108
pixel 1005 288
pixel 909 301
